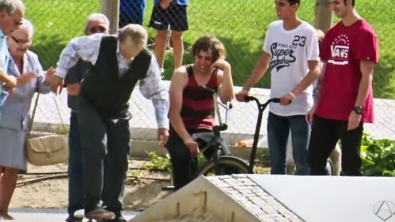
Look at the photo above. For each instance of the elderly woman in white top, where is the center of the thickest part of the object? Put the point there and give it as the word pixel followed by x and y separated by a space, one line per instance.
pixel 15 111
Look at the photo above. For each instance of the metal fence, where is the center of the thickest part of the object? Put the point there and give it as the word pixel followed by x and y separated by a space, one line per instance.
pixel 240 25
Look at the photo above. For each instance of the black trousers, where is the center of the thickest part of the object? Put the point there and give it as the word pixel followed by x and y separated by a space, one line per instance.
pixel 325 133
pixel 100 138
pixel 185 164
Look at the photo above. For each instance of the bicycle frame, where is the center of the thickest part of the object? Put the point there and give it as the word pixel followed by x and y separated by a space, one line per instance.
pixel 261 108
pixel 221 126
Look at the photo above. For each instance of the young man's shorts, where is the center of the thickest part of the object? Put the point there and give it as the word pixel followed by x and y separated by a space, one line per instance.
pixel 126 20
pixel 175 16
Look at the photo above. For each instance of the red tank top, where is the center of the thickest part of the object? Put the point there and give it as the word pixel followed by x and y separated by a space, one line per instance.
pixel 198 107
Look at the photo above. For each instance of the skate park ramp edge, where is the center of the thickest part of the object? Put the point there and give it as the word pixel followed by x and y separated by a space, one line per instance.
pixel 333 199
pixel 228 198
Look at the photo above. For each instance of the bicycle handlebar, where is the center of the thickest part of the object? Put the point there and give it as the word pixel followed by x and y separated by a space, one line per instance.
pixel 222 125
pixel 251 98
pixel 208 89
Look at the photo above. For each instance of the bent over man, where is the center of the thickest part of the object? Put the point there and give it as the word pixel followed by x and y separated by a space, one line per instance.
pixel 96 23
pixel 192 107
pixel 119 62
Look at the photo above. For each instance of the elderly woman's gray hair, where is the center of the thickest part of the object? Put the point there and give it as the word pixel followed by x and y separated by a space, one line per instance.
pixel 10 6
pixel 97 16
pixel 28 25
pixel 137 33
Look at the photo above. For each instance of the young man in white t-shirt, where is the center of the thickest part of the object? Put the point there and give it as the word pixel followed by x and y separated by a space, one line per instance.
pixel 291 48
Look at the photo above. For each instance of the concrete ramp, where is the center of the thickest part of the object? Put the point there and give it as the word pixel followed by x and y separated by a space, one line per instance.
pixel 333 199
pixel 234 198
pixel 269 198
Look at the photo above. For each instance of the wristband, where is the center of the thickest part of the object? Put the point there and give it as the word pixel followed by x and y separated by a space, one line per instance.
pixel 292 94
pixel 297 91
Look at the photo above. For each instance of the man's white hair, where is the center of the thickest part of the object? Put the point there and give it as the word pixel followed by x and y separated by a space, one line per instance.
pixel 136 33
pixel 10 6
pixel 97 16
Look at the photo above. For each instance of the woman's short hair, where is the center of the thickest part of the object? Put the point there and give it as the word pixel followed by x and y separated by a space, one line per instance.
pixel 28 25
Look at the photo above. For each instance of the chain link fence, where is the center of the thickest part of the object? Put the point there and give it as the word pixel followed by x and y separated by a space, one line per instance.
pixel 240 25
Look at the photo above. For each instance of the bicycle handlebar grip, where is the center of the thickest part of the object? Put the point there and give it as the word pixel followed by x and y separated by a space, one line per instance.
pixel 248 98
pixel 276 100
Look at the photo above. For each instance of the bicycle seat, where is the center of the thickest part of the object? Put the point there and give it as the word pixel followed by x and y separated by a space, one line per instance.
pixel 203 138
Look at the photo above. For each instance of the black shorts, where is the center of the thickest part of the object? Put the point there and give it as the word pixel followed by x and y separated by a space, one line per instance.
pixel 175 16
pixel 125 20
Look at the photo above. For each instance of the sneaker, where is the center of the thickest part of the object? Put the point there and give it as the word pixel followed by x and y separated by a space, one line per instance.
pixel 71 219
pixel 117 219
pixel 100 214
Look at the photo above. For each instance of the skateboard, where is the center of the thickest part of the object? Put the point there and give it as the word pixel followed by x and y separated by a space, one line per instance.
pixel 79 216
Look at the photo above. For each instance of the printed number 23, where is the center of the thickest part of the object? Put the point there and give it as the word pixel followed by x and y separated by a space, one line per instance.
pixel 299 40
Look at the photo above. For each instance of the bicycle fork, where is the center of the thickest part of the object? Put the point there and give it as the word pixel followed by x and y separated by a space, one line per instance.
pixel 216 153
pixel 256 138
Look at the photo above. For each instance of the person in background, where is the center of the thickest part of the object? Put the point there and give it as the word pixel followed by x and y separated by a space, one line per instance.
pixel 169 14
pixel 344 100
pixel 291 49
pixel 96 23
pixel 131 12
pixel 25 66
pixel 11 17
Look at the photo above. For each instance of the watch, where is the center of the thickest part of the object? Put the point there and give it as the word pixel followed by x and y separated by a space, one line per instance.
pixel 357 110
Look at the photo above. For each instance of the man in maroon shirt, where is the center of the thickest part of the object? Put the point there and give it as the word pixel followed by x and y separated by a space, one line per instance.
pixel 192 108
pixel 345 98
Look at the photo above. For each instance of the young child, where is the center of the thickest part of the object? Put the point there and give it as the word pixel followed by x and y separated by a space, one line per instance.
pixel 321 36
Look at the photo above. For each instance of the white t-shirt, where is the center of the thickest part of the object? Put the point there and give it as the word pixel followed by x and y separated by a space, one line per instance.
pixel 290 51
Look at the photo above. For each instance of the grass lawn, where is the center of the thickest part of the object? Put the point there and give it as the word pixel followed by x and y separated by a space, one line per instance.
pixel 241 25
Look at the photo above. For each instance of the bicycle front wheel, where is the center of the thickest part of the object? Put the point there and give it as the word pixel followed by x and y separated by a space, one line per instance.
pixel 227 164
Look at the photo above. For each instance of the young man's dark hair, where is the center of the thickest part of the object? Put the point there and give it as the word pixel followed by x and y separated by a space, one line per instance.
pixel 352 3
pixel 209 42
pixel 293 2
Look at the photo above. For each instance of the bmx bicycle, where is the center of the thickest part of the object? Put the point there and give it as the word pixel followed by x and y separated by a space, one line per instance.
pixel 211 146
pixel 234 162
pixel 261 108
pixel 229 162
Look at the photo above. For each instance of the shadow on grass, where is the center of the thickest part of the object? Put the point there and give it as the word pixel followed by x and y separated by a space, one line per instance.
pixel 48 49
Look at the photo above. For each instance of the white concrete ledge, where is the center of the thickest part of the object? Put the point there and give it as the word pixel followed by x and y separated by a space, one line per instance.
pixel 242 118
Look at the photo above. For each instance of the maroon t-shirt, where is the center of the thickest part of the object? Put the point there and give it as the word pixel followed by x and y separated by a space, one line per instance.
pixel 342 49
